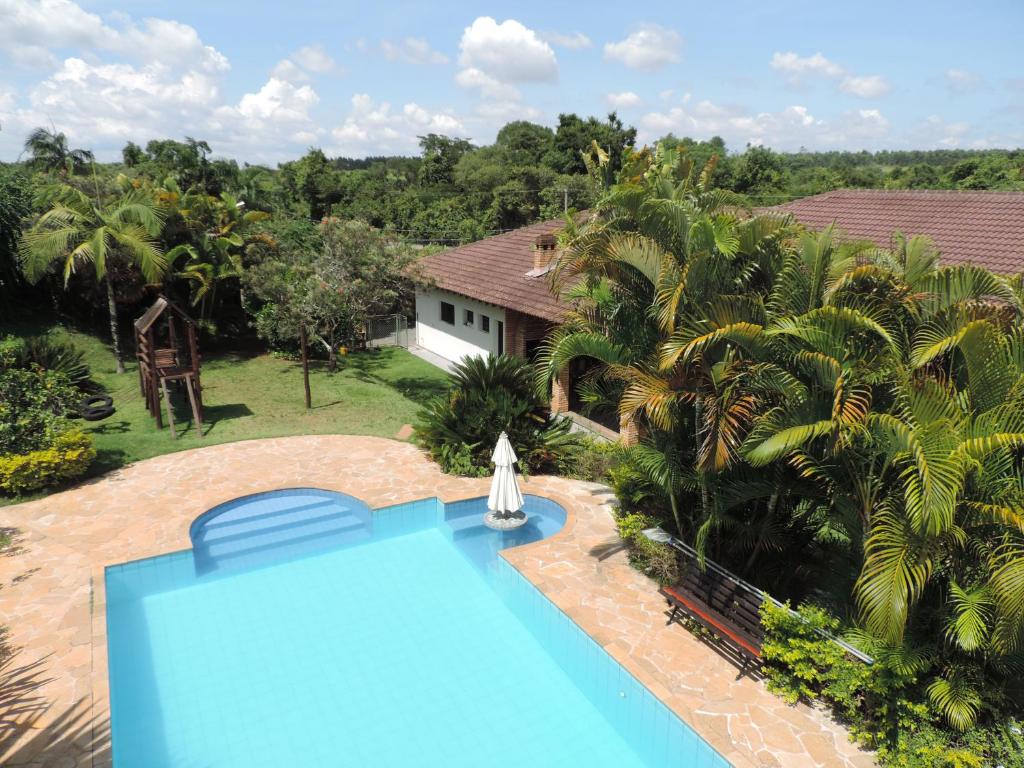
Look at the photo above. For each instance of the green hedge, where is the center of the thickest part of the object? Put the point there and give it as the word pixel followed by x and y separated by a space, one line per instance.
pixel 67 457
pixel 882 704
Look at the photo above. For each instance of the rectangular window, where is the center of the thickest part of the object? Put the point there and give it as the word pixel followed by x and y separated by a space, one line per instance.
pixel 468 319
pixel 485 323
pixel 447 313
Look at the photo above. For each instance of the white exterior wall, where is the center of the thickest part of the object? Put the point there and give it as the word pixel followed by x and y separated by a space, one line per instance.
pixel 454 342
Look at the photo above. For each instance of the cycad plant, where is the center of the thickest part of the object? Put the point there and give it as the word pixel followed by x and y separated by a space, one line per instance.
pixel 488 395
pixel 78 231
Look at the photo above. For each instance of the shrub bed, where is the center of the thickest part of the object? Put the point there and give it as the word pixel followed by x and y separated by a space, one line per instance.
pixel 38 445
pixel 884 705
pixel 66 458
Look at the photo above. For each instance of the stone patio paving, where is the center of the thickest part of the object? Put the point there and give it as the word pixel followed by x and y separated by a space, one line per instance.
pixel 54 701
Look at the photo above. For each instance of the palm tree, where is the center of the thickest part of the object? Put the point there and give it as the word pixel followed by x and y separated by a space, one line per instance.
pixel 76 231
pixel 666 265
pixel 50 152
pixel 911 416
pixel 834 410
pixel 217 230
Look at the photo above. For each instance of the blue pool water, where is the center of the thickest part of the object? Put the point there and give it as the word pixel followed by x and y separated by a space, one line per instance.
pixel 303 629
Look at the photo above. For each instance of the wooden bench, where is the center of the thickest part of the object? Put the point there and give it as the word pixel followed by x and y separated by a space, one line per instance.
pixel 720 603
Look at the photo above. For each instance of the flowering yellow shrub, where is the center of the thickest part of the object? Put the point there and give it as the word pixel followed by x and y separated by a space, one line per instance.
pixel 68 457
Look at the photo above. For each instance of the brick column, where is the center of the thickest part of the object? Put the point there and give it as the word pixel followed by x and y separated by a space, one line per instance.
pixel 560 392
pixel 515 329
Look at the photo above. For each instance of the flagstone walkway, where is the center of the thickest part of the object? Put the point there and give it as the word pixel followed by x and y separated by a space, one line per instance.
pixel 54 701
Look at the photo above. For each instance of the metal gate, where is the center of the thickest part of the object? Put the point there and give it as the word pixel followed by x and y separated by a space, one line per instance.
pixel 387 331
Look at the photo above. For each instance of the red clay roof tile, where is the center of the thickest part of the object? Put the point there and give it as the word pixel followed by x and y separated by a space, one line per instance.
pixel 494 270
pixel 981 228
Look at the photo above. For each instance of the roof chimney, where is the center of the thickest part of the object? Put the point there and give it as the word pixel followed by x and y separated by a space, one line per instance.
pixel 545 247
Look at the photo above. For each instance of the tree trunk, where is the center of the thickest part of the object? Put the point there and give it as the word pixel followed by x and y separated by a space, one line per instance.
pixel 698 432
pixel 112 309
pixel 305 365
pixel 332 353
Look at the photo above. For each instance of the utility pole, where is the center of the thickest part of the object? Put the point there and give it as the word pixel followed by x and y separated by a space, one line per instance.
pixel 565 199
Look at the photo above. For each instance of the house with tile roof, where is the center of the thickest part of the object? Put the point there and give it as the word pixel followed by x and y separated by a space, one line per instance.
pixel 968 227
pixel 494 296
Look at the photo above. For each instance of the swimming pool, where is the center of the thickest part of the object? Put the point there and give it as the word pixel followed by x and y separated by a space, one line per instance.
pixel 304 629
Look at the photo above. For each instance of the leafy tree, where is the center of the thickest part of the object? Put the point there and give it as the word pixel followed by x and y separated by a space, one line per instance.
pixel 15 205
pixel 362 272
pixel 322 284
pixel 313 181
pixel 524 143
pixel 132 154
pixel 574 137
pixel 759 171
pixel 440 156
pixel 77 230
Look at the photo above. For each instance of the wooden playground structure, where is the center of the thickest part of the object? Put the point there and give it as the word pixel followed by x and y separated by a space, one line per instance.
pixel 167 357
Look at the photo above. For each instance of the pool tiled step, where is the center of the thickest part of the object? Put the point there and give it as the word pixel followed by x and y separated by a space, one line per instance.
pixel 279 529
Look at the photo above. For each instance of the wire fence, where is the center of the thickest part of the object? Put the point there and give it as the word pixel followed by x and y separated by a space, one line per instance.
pixel 387 331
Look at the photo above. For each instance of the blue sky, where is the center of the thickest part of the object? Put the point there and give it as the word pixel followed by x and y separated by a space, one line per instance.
pixel 262 81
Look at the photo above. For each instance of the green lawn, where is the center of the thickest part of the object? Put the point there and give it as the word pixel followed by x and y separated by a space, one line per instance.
pixel 248 396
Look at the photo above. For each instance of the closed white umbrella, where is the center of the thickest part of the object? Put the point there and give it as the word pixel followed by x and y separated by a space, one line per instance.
pixel 505 500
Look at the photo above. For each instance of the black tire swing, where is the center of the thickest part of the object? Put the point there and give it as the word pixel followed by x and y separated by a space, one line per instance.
pixel 96 408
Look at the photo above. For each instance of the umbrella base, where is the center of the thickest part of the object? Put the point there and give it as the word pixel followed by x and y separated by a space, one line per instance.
pixel 501 521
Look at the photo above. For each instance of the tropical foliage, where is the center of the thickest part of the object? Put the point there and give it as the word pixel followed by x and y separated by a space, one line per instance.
pixel 38 445
pixel 839 423
pixel 488 395
pixel 45 353
pixel 49 151
pixel 78 230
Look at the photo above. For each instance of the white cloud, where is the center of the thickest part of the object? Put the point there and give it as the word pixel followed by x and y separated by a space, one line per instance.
pixel 865 86
pixel 286 69
pixel 649 47
pixel 507 52
pixel 297 68
pixel 154 78
pixel 169 43
pixel 31 30
pixel 32 56
pixel 412 50
pixel 786 129
pixel 623 100
pixel 374 126
pixel 314 58
pixel 114 102
pixel 474 79
pixel 961 80
pixel 796 68
pixel 279 100
pixel 50 24
pixel 496 113
pixel 793 64
pixel 936 131
pixel 574 41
